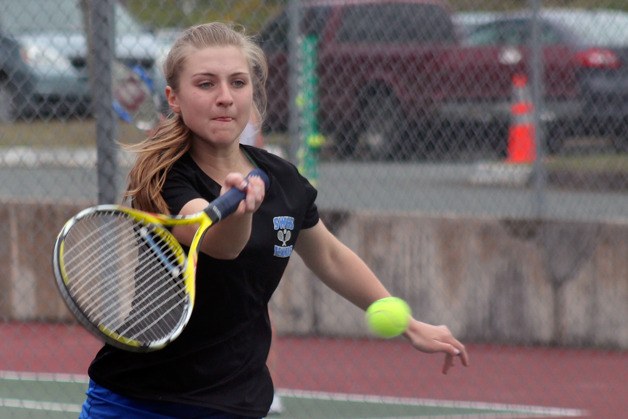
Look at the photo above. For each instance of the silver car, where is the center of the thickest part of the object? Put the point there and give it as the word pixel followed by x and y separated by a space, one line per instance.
pixel 53 43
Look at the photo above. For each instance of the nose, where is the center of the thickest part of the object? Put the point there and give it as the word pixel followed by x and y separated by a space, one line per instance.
pixel 224 97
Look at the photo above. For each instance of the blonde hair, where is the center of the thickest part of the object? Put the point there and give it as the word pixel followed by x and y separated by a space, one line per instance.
pixel 157 153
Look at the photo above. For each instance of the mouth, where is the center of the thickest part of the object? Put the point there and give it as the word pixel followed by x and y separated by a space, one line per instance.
pixel 223 119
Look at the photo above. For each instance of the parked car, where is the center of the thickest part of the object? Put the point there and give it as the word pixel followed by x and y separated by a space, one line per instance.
pixel 52 39
pixel 374 65
pixel 17 79
pixel 466 22
pixel 585 55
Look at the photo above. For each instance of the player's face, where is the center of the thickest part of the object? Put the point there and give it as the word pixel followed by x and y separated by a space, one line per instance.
pixel 215 94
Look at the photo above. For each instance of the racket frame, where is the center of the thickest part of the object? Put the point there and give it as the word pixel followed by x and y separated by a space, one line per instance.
pixel 190 260
pixel 218 209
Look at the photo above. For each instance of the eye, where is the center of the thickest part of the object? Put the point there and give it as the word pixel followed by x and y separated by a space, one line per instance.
pixel 205 84
pixel 238 83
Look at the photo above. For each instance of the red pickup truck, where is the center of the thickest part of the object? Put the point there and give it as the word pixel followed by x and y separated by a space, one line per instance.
pixel 382 88
pixel 395 79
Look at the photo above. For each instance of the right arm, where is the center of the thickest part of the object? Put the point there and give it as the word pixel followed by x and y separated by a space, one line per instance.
pixel 227 239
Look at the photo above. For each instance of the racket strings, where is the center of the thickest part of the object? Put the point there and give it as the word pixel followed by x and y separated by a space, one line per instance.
pixel 90 263
pixel 143 281
pixel 157 300
pixel 90 260
pixel 137 273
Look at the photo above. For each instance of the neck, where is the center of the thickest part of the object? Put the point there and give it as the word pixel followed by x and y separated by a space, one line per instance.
pixel 218 163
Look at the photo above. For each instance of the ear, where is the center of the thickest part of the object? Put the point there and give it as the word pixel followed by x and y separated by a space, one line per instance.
pixel 172 100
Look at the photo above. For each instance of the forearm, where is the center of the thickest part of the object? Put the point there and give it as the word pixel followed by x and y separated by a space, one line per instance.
pixel 354 280
pixel 340 268
pixel 229 237
pixel 223 241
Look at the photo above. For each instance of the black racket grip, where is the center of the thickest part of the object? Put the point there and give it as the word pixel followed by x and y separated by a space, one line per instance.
pixel 227 203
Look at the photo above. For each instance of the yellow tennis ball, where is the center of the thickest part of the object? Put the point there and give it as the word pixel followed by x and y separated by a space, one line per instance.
pixel 388 317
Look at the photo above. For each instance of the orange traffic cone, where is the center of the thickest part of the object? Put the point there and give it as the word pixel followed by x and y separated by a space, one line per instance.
pixel 521 135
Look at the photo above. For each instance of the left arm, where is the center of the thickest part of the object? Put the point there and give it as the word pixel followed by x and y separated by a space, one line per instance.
pixel 339 267
pixel 348 275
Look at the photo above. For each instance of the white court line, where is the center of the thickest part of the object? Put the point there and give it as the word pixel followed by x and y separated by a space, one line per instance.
pixel 37 405
pixel 43 376
pixel 513 410
pixel 519 410
pixel 485 415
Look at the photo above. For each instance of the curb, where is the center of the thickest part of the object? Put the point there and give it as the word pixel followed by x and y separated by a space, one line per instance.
pixel 518 175
pixel 59 157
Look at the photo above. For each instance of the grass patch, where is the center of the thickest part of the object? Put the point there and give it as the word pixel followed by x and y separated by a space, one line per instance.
pixel 57 134
pixel 82 133
pixel 590 163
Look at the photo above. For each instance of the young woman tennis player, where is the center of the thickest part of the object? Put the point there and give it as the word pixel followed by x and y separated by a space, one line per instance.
pixel 217 367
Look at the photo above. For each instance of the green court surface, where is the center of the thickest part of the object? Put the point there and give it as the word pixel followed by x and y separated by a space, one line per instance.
pixel 56 396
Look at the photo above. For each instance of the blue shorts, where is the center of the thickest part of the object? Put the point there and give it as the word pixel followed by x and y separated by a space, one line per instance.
pixel 105 404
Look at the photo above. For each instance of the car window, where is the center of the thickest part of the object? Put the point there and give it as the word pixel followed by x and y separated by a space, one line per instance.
pixel 511 32
pixel 314 20
pixel 24 17
pixel 550 35
pixel 274 36
pixel 496 33
pixel 395 23
pixel 602 28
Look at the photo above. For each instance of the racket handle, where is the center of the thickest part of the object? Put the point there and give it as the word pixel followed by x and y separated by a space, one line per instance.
pixel 227 203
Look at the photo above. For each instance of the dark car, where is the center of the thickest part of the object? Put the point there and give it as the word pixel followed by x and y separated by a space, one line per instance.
pixel 16 79
pixel 585 55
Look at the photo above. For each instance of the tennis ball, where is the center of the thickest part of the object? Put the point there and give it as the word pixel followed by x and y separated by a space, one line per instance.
pixel 388 317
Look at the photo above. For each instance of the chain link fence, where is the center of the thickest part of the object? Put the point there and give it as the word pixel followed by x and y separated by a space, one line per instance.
pixel 474 153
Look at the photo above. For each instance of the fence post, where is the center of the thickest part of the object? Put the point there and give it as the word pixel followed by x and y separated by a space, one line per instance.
pixel 307 102
pixel 536 75
pixel 101 33
pixel 294 68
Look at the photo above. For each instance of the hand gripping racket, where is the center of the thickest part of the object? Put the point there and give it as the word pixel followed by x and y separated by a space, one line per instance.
pixel 126 278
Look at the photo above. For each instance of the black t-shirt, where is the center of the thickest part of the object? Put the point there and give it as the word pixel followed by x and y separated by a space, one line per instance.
pixel 219 361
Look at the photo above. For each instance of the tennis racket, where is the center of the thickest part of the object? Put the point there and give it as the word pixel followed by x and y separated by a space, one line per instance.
pixel 134 98
pixel 126 278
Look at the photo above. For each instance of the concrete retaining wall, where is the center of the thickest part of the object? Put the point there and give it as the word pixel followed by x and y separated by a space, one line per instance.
pixel 27 236
pixel 489 280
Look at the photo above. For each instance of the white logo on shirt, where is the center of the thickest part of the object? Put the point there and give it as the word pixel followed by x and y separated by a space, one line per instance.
pixel 283 225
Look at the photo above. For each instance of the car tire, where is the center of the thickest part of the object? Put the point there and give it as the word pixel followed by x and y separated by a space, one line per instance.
pixel 555 137
pixel 380 127
pixel 7 104
pixel 619 138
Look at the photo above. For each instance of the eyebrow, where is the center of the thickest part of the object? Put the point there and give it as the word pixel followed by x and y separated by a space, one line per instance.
pixel 210 74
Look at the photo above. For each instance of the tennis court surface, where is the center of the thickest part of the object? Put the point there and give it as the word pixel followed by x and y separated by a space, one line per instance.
pixel 43 376
pixel 28 395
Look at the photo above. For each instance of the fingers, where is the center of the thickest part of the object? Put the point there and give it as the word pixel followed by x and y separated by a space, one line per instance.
pixel 452 354
pixel 255 192
pixel 449 363
pixel 234 180
pixel 464 357
pixel 253 187
pixel 453 349
pixel 432 339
